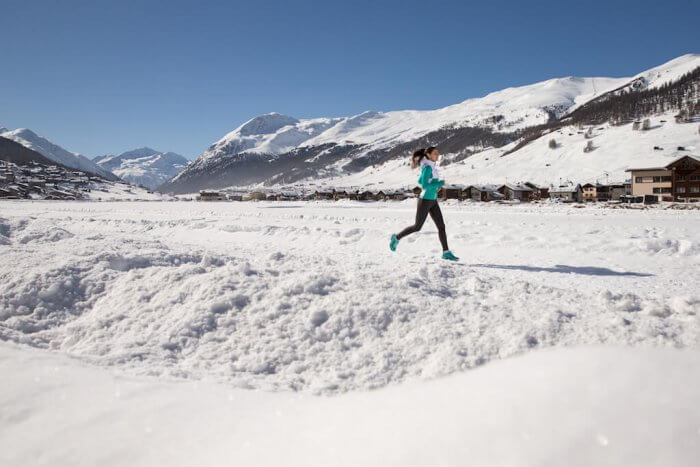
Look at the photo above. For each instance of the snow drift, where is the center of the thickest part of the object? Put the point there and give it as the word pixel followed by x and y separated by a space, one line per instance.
pixel 573 407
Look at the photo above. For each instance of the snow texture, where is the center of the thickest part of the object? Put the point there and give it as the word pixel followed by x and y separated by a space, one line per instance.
pixel 604 407
pixel 307 296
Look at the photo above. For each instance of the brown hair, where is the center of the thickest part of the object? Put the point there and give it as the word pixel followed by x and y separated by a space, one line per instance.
pixel 420 154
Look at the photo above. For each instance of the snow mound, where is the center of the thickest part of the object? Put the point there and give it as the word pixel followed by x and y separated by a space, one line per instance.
pixel 574 407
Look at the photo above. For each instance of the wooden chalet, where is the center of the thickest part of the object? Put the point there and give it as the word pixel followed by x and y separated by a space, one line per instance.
pixel 567 193
pixel 365 196
pixel 538 192
pixel 451 192
pixel 340 194
pixel 685 179
pixel 513 191
pixel 211 196
pixel 486 193
pixel 323 195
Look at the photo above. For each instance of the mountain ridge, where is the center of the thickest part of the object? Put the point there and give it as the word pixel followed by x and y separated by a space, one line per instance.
pixel 143 166
pixel 54 152
pixel 293 150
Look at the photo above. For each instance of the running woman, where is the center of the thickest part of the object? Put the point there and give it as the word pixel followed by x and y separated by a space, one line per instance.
pixel 427 202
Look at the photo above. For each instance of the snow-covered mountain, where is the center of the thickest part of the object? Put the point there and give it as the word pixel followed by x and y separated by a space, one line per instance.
pixel 506 110
pixel 54 152
pixel 275 148
pixel 143 166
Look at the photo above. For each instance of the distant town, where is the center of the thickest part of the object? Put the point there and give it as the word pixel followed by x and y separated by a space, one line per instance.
pixel 678 181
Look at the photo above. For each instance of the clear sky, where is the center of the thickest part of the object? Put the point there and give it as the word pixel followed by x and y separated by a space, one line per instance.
pixel 103 77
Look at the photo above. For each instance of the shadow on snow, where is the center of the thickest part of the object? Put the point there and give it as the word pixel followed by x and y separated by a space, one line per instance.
pixel 564 269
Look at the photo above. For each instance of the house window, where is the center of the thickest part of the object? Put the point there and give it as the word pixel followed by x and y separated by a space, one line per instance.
pixel 695 189
pixel 680 178
pixel 638 179
pixel 695 178
pixel 680 189
pixel 666 178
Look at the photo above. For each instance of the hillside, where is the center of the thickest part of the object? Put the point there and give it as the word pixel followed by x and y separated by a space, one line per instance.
pixel 616 148
pixel 55 152
pixel 143 166
pixel 276 149
pixel 12 151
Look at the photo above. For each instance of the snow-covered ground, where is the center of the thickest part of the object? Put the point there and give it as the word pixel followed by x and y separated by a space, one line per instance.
pixel 582 407
pixel 119 191
pixel 305 298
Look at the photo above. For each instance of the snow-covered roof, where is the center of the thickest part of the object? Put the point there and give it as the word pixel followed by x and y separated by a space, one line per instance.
pixel 517 187
pixel 565 189
pixel 485 187
pixel 645 169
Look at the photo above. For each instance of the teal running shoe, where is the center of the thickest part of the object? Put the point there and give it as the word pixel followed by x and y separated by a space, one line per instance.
pixel 449 256
pixel 394 242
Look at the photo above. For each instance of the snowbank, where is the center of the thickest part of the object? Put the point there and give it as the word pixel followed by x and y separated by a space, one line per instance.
pixel 307 296
pixel 580 407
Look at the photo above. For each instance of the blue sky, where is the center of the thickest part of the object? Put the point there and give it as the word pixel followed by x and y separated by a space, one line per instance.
pixel 103 77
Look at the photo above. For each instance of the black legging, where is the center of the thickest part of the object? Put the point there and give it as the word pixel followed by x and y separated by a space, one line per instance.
pixel 426 206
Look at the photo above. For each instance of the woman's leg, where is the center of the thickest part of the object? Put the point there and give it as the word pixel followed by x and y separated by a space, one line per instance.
pixel 436 215
pixel 422 209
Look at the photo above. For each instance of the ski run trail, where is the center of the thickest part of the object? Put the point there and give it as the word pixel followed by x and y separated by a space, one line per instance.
pixel 184 333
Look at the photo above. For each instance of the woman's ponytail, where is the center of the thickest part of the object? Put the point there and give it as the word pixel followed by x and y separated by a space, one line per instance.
pixel 417 158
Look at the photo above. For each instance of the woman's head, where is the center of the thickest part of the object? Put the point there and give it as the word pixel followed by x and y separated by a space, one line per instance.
pixel 431 153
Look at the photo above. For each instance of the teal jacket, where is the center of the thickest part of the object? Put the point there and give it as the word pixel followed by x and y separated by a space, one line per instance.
pixel 430 185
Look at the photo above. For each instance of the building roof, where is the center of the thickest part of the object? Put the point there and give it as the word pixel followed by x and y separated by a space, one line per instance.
pixel 485 187
pixel 666 167
pixel 680 159
pixel 517 186
pixel 645 169
pixel 565 189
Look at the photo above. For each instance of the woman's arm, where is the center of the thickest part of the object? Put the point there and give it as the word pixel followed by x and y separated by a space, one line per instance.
pixel 426 178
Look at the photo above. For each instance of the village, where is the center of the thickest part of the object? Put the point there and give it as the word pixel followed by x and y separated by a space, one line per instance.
pixel 678 181
pixel 38 181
